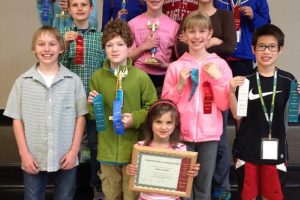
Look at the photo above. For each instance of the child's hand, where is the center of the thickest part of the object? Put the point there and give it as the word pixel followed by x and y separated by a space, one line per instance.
pixel 29 164
pixel 68 161
pixel 63 4
pixel 194 171
pixel 183 76
pixel 151 42
pixel 247 11
pixel 91 96
pixel 127 120
pixel 159 64
pixel 181 38
pixel 131 169
pixel 235 82
pixel 70 36
pixel 212 70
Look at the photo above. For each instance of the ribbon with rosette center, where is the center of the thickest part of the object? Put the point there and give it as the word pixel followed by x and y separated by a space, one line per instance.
pixel 208 97
pixel 79 50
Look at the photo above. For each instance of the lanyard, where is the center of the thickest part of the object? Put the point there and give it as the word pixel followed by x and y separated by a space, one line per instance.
pixel 238 3
pixel 269 118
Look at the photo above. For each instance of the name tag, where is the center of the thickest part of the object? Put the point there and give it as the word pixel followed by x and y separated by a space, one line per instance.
pixel 269 149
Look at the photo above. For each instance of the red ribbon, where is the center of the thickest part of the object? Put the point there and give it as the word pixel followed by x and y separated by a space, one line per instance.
pixel 237 17
pixel 208 97
pixel 79 50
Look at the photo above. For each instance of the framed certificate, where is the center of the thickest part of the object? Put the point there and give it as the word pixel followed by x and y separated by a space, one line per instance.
pixel 162 171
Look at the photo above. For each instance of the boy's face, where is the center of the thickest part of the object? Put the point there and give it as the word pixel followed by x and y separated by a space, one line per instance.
pixel 154 4
pixel 117 52
pixel 266 51
pixel 80 10
pixel 47 49
pixel 197 38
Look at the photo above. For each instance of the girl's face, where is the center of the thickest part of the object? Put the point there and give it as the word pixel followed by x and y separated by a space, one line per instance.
pixel 197 38
pixel 47 49
pixel 163 127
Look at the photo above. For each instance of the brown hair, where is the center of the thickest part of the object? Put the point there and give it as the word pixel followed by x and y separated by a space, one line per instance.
pixel 159 108
pixel 116 28
pixel 197 18
pixel 50 30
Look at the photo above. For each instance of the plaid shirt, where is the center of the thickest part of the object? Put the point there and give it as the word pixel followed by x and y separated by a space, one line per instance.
pixel 93 54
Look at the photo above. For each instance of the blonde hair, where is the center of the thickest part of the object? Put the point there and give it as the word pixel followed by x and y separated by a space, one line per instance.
pixel 50 30
pixel 197 18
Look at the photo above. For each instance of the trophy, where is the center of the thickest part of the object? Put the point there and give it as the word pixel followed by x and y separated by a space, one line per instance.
pixel 62 15
pixel 153 26
pixel 120 74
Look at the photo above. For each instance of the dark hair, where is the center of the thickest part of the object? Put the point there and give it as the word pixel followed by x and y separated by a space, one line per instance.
pixel 116 28
pixel 91 3
pixel 159 108
pixel 268 30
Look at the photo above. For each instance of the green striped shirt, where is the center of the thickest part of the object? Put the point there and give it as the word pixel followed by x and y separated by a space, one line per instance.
pixel 93 54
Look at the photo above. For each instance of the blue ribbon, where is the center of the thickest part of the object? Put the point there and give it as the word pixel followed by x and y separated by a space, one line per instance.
pixel 45 11
pixel 117 117
pixel 294 100
pixel 195 81
pixel 99 113
pixel 120 95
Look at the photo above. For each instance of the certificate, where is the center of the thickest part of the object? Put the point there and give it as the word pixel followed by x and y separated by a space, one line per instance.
pixel 162 171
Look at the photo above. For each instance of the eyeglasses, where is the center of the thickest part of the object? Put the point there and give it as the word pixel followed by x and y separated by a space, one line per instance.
pixel 271 47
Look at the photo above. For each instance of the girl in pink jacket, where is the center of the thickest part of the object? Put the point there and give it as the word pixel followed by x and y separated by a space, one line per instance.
pixel 198 83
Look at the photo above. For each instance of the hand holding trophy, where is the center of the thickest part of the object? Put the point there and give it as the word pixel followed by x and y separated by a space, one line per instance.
pixel 153 26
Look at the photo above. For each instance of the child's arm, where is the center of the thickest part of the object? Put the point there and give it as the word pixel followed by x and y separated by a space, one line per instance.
pixel 258 15
pixel 219 76
pixel 70 36
pixel 69 160
pixel 150 42
pixel 28 162
pixel 234 83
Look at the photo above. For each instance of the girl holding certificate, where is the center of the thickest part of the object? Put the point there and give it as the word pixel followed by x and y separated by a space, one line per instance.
pixel 162 130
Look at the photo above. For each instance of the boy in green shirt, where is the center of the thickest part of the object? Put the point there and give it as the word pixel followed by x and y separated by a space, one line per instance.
pixel 114 150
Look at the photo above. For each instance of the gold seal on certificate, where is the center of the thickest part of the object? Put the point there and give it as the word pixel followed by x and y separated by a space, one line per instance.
pixel 162 171
pixel 152 26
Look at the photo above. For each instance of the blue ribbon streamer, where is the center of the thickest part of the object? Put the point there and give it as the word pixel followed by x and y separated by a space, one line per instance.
pixel 294 101
pixel 195 81
pixel 99 113
pixel 45 11
pixel 117 117
pixel 120 96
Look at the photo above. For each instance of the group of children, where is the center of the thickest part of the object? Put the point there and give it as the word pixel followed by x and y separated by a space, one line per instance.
pixel 196 89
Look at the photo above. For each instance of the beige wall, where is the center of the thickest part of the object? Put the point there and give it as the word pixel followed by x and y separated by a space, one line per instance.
pixel 19 20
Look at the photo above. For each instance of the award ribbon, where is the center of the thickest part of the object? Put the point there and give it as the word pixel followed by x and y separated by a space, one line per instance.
pixel 79 50
pixel 195 81
pixel 99 113
pixel 117 117
pixel 269 117
pixel 294 100
pixel 236 12
pixel 45 11
pixel 208 97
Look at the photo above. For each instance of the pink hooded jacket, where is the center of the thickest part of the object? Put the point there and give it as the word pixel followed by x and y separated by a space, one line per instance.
pixel 195 125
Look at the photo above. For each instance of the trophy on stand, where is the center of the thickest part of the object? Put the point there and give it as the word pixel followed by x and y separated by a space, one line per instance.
pixel 153 26
pixel 120 74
